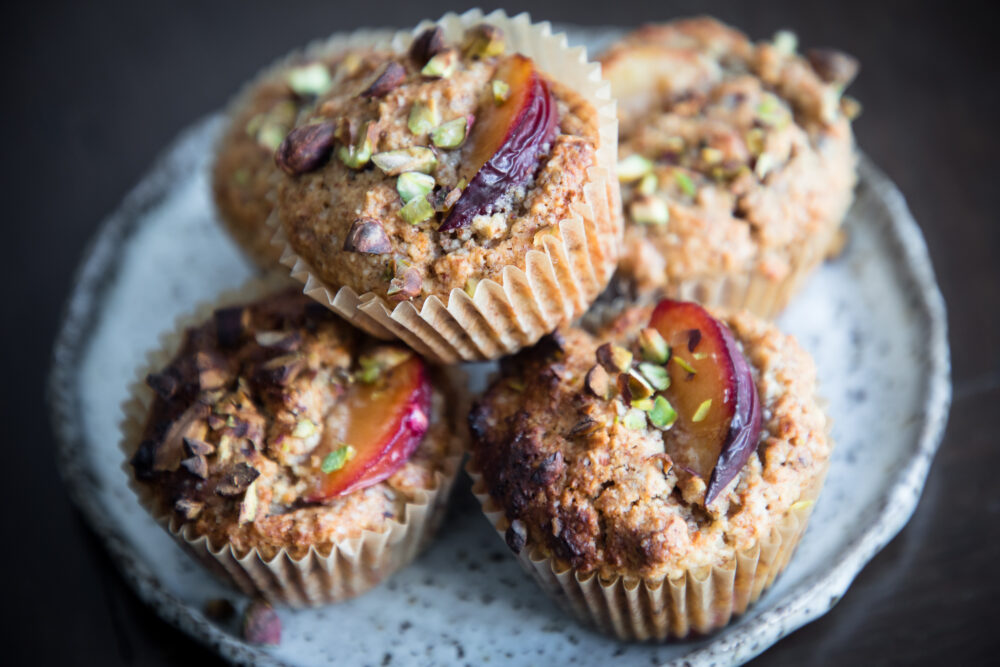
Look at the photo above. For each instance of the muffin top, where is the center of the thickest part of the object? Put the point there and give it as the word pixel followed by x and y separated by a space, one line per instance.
pixel 431 170
pixel 731 153
pixel 278 426
pixel 261 117
pixel 613 479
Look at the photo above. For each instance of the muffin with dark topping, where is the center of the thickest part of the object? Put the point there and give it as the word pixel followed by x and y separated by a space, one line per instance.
pixel 302 460
pixel 654 476
pixel 259 119
pixel 457 194
pixel 737 162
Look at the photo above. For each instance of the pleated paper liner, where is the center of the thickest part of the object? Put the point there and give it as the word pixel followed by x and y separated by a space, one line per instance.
pixel 697 602
pixel 352 566
pixel 555 284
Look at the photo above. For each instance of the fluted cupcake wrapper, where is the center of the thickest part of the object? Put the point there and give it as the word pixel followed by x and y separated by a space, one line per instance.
pixel 697 602
pixel 352 566
pixel 559 280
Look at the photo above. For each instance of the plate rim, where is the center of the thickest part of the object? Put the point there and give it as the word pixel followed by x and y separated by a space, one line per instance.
pixel 809 600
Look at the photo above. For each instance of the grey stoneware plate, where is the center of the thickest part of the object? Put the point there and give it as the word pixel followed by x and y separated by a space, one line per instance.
pixel 874 319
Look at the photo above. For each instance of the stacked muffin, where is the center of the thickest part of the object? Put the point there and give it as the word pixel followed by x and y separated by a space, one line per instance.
pixel 452 194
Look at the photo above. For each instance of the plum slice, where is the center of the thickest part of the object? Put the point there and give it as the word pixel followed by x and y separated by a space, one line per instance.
pixel 712 390
pixel 507 141
pixel 379 426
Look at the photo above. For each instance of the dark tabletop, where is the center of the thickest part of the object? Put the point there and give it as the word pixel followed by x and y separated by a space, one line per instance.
pixel 99 88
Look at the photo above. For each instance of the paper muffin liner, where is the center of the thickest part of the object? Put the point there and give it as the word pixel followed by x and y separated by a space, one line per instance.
pixel 248 238
pixel 697 602
pixel 353 565
pixel 556 283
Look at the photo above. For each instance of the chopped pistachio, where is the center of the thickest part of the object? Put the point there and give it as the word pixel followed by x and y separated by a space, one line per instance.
pixel 483 41
pixel 412 184
pixel 633 168
pixel 755 140
pixel 653 347
pixel 442 65
pixel 311 79
pixel 683 363
pixel 414 158
pixel 423 117
pixel 698 356
pixel 357 156
pixel 450 134
pixel 663 414
pixel 655 374
pixel 785 41
pixel 271 135
pixel 702 411
pixel 711 155
pixel 350 64
pixel 803 504
pixel 634 419
pixel 614 358
pixel 369 372
pixel 770 111
pixel 685 183
pixel 598 382
pixel 644 404
pixel 649 210
pixel 765 163
pixel 470 286
pixel 648 184
pixel 337 459
pixel 417 210
pixel 633 386
pixel 304 428
pixel 248 506
pixel 501 91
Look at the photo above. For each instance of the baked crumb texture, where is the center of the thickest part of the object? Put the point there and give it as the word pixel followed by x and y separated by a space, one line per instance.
pixel 363 232
pixel 736 159
pixel 222 441
pixel 601 515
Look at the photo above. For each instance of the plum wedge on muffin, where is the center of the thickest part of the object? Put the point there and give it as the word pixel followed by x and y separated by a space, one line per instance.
pixel 737 161
pixel 456 194
pixel 656 475
pixel 299 458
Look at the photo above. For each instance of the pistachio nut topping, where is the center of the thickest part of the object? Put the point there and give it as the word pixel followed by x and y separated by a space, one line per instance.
pixel 411 184
pixel 312 79
pixel 414 158
pixel 442 65
pixel 450 134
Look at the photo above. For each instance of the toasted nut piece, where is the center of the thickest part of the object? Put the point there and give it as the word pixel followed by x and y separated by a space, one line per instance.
pixel 833 66
pixel 285 341
pixel 633 168
pixel 585 426
pixel 634 419
pixel 516 536
pixel 414 158
pixel 236 480
pixel 501 91
pixel 212 371
pixel 359 153
pixel 231 325
pixel 427 44
pixel 407 286
pixel 598 382
pixel 633 387
pixel 442 65
pixel 649 210
pixel 306 148
pixel 367 236
pixel 614 358
pixel 279 371
pixel 417 210
pixel 662 415
pixel 189 509
pixel 653 347
pixel 451 134
pixel 261 624
pixel 248 506
pixel 195 447
pixel 655 374
pixel 311 79
pixel 197 466
pixel 389 79
pixel 413 184
pixel 483 41
pixel 423 117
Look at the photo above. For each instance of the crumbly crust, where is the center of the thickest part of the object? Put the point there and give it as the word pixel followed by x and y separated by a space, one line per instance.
pixel 608 499
pixel 263 406
pixel 317 209
pixel 753 154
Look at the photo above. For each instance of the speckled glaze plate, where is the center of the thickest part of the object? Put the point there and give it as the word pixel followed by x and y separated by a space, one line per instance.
pixel 874 319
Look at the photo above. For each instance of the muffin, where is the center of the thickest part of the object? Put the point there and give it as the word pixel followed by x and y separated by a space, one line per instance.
pixel 468 167
pixel 301 460
pixel 655 476
pixel 258 120
pixel 737 162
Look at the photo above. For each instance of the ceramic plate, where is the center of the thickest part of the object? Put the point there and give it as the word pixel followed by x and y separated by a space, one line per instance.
pixel 874 320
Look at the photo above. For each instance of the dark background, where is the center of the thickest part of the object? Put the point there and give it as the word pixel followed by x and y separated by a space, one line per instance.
pixel 97 89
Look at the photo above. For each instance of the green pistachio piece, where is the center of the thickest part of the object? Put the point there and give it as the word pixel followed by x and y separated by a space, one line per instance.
pixel 304 428
pixel 648 184
pixel 483 41
pixel 683 363
pixel 423 117
pixel 633 168
pixel 614 358
pixel 271 135
pixel 412 184
pixel 337 459
pixel 685 183
pixel 414 158
pixel 653 347
pixel 470 286
pixel 501 91
pixel 450 134
pixel 417 210
pixel 765 163
pixel 649 210
pixel 755 140
pixel 634 419
pixel 702 411
pixel 635 385
pixel 358 155
pixel 786 42
pixel 655 374
pixel 662 415
pixel 442 65
pixel 311 79
pixel 644 404
pixel 771 111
